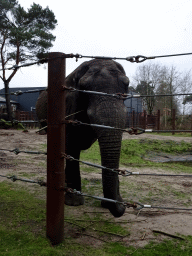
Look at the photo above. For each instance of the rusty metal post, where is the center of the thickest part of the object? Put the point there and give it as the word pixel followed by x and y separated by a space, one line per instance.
pixel 173 121
pixel 191 124
pixel 144 124
pixel 158 119
pixel 133 118
pixel 55 148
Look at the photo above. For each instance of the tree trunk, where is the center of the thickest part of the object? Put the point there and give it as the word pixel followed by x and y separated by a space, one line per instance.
pixel 8 103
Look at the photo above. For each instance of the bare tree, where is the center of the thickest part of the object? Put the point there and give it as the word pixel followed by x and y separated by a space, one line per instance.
pixel 147 72
pixel 185 86
pixel 165 80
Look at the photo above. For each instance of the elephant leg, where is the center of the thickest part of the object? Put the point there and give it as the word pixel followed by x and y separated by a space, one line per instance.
pixel 73 180
pixel 110 147
pixel 77 138
pixel 42 125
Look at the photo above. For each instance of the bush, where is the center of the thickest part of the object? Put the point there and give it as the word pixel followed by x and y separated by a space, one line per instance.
pixel 7 125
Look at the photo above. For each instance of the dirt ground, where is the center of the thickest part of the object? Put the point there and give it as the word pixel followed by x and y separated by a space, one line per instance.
pixel 143 224
pixel 156 137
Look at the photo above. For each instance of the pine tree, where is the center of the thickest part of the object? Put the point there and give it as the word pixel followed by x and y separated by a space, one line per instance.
pixel 24 36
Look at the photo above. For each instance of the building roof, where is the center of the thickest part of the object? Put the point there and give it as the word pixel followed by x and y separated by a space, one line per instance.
pixel 3 100
pixel 25 101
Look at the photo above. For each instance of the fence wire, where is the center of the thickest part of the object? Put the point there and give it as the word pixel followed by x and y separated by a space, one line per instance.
pixel 17 121
pixel 123 96
pixel 132 59
pixel 15 178
pixel 135 205
pixel 136 59
pixel 131 131
pixel 118 171
pixel 17 93
pixel 17 151
pixel 115 95
pixel 124 173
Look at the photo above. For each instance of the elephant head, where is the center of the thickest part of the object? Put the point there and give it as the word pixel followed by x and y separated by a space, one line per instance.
pixel 103 76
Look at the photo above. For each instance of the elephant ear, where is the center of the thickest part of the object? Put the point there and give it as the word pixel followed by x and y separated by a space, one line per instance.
pixel 125 81
pixel 122 77
pixel 120 68
pixel 72 80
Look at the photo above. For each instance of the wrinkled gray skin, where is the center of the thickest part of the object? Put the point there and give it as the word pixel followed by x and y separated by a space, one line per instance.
pixel 96 75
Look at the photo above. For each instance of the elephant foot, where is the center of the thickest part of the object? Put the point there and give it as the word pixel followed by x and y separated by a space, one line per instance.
pixel 73 199
pixel 115 208
pixel 43 132
pixel 105 204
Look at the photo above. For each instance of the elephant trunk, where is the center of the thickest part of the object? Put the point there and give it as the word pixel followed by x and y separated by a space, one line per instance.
pixel 110 113
pixel 110 153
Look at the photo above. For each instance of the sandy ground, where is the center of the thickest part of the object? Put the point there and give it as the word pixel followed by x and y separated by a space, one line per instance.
pixel 141 224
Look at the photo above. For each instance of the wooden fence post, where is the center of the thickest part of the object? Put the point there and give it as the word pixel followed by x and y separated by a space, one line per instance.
pixel 55 148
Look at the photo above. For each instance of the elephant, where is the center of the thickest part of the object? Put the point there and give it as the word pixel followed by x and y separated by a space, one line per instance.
pixel 102 75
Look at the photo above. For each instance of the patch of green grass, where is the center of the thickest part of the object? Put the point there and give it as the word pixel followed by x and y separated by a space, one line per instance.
pixel 116 249
pixel 171 247
pixel 134 151
pixel 26 175
pixel 178 134
pixel 180 195
pixel 42 164
pixel 143 146
pixel 107 227
pixel 101 225
pixel 89 169
pixel 92 187
pixel 22 227
pixel 43 147
pixel 93 153
pixel 23 222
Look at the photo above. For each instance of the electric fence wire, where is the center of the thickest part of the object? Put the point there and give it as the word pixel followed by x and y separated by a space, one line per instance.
pixel 135 205
pixel 15 178
pixel 123 96
pixel 136 59
pixel 125 173
pixel 17 151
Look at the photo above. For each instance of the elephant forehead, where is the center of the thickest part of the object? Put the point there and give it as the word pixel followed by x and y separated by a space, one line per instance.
pixel 99 74
pixel 104 70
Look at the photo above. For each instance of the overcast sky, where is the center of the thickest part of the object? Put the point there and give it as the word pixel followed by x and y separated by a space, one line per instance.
pixel 116 29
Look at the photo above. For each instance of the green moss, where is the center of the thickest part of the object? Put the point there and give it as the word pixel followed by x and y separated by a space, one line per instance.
pixel 13 125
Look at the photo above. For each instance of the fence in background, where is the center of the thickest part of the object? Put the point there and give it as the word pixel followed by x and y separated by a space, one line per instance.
pixel 56 144
pixel 142 120
pixel 156 121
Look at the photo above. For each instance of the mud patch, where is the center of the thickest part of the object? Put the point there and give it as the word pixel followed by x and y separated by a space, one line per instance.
pixel 168 158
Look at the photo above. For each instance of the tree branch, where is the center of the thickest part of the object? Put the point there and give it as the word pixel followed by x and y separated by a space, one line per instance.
pixel 17 62
pixel 2 57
